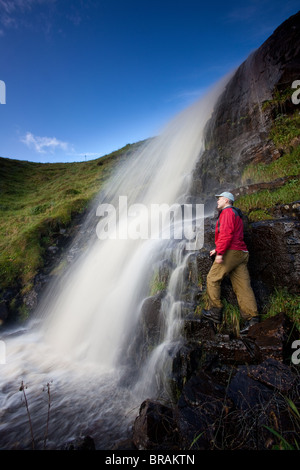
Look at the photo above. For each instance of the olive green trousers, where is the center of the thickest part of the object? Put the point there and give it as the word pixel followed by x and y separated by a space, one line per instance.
pixel 235 265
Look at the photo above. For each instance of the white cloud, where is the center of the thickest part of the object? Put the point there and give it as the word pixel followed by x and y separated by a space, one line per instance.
pixel 243 13
pixel 40 14
pixel 9 7
pixel 44 144
pixel 15 14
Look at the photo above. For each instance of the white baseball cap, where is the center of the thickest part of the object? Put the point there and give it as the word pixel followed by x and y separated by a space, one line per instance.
pixel 227 195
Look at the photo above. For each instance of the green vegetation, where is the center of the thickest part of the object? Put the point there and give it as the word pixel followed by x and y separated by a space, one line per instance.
pixel 203 303
pixel 256 205
pixel 157 284
pixel 231 317
pixel 279 100
pixel 286 125
pixel 256 216
pixel 283 444
pixel 280 301
pixel 287 165
pixel 36 202
pixel 230 314
pixel 285 133
pixel 283 301
pixel 285 129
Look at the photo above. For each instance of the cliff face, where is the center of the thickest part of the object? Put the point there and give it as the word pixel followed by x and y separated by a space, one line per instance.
pixel 238 132
pixel 226 383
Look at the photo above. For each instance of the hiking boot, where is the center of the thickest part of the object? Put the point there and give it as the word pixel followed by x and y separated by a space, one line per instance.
pixel 248 324
pixel 214 314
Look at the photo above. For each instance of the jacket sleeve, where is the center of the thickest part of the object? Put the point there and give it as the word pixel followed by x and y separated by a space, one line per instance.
pixel 226 227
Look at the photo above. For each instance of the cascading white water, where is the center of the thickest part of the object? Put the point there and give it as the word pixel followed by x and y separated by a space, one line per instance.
pixel 154 378
pixel 87 319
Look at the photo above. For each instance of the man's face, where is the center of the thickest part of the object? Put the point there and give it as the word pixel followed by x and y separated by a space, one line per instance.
pixel 222 202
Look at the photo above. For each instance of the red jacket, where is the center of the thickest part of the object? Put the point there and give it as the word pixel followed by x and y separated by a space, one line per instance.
pixel 229 234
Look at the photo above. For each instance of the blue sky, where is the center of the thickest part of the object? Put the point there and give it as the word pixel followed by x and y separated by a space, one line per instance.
pixel 84 78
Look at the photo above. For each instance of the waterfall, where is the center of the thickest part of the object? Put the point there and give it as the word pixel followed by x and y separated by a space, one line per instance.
pixel 82 331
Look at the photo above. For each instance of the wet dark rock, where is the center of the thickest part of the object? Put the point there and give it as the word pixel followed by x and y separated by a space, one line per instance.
pixel 238 131
pixel 31 299
pixel 273 338
pixel 216 415
pixel 154 428
pixel 125 444
pixel 3 312
pixel 200 262
pixel 144 337
pixel 231 384
pixel 231 388
pixel 198 329
pixel 254 386
pixel 245 392
pixel 199 388
pixel 150 318
pixel 81 443
pixel 198 411
pixel 53 249
pixel 164 271
pixel 290 210
pixel 234 351
pixel 185 364
pixel 274 374
pixel 276 256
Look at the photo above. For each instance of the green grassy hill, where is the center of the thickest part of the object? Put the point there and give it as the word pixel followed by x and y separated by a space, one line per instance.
pixel 36 201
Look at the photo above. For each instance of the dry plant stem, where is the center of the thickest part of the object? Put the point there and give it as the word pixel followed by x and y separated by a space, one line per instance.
pixel 48 415
pixel 22 389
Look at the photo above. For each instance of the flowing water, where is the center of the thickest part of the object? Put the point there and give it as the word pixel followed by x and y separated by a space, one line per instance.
pixel 73 355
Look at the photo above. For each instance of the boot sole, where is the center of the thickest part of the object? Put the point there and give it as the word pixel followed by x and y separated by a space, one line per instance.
pixel 207 317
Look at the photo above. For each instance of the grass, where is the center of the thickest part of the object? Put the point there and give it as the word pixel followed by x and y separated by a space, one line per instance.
pixel 287 165
pixel 231 317
pixel 283 301
pixel 280 301
pixel 157 285
pixel 255 205
pixel 279 100
pixel 230 314
pixel 286 121
pixel 285 128
pixel 37 201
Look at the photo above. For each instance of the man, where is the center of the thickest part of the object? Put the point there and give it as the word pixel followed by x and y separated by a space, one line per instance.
pixel 231 257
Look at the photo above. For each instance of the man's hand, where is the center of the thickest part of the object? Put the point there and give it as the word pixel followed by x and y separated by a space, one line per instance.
pixel 219 259
pixel 212 252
